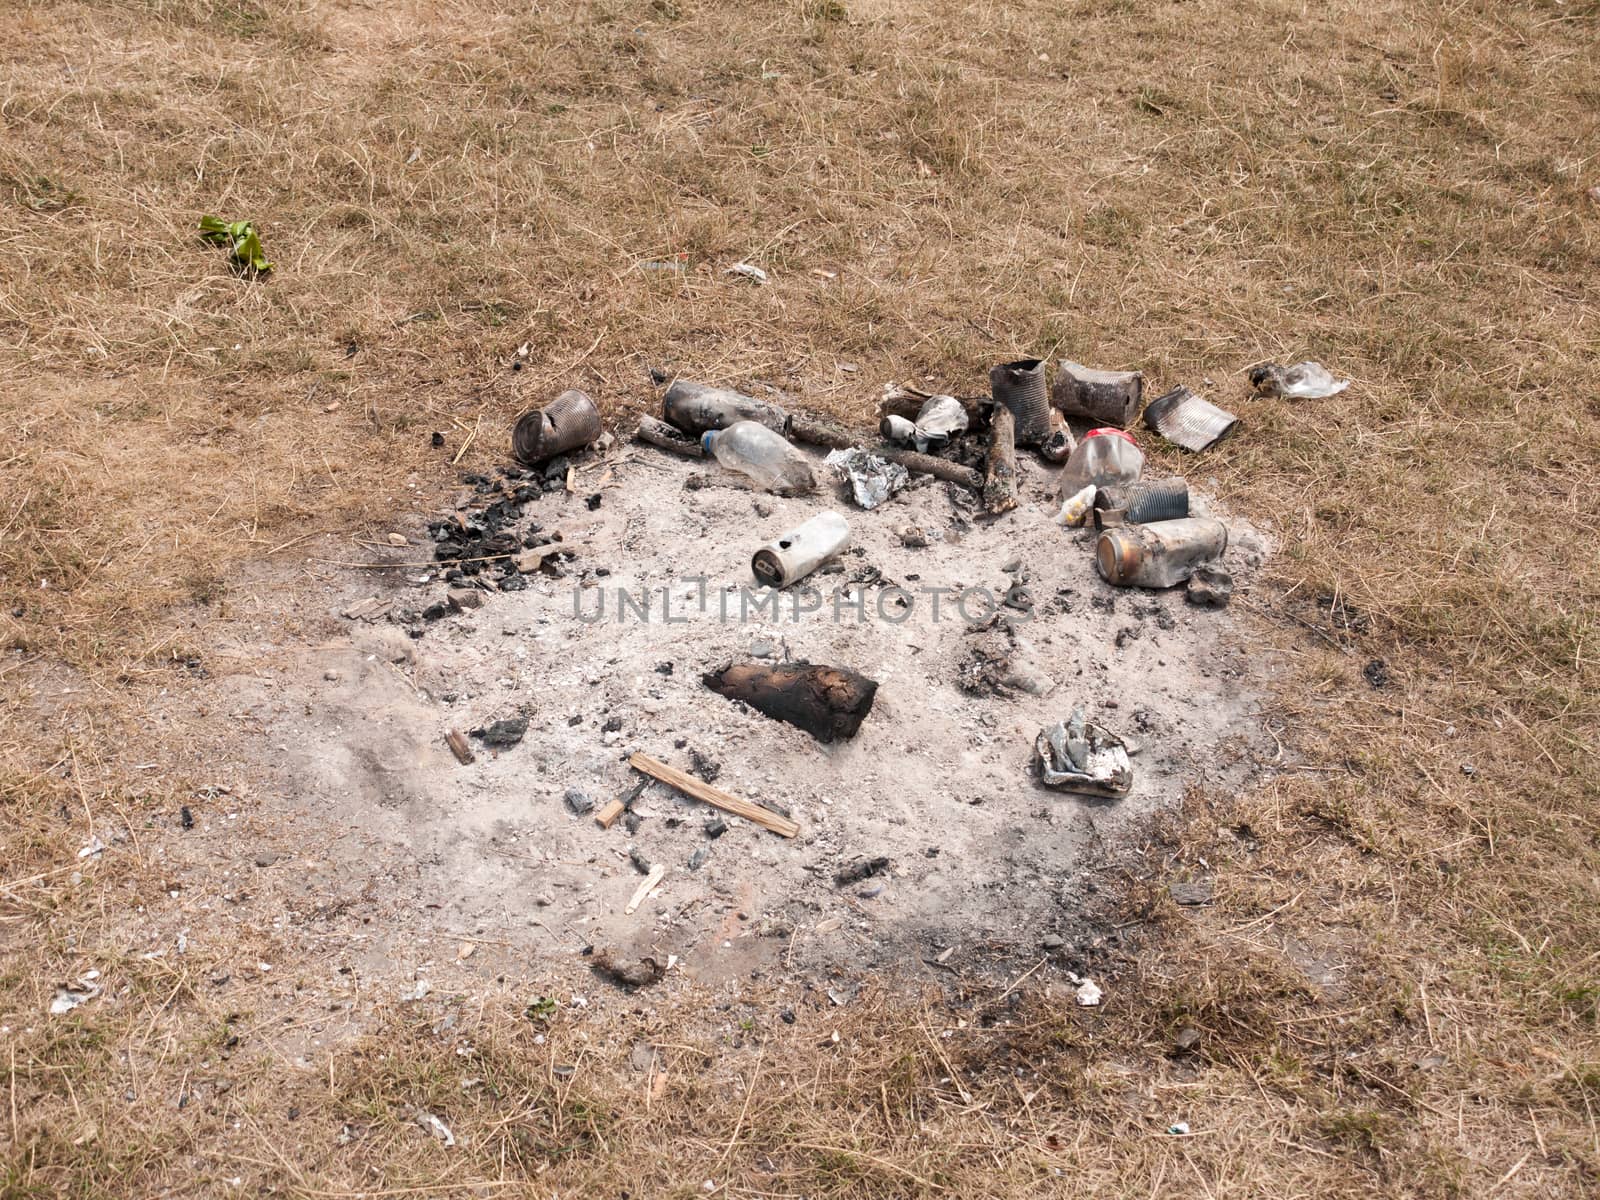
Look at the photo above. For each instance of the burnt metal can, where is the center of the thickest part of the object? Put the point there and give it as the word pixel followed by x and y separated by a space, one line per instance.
pixel 1159 555
pixel 566 423
pixel 1148 500
pixel 1022 387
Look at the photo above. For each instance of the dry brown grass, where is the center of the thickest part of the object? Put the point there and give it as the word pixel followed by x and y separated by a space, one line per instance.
pixel 1399 190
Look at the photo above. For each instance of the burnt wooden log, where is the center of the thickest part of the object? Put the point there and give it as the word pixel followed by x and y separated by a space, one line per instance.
pixel 663 436
pixel 822 433
pixel 1000 464
pixel 829 703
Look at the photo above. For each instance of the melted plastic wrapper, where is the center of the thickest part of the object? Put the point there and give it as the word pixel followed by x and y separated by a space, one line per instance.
pixel 1302 381
pixel 1079 756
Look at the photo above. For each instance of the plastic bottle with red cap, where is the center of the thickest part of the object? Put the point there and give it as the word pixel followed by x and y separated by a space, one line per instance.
pixel 1104 457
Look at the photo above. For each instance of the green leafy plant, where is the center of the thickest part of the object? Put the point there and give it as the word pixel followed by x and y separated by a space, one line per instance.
pixel 240 237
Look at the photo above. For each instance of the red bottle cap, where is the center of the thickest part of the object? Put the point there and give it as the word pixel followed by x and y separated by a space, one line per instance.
pixel 1107 432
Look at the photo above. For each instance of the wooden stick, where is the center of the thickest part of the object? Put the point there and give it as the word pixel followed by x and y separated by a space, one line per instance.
pixel 663 436
pixel 607 816
pixel 1000 465
pixel 645 888
pixel 459 747
pixel 716 797
pixel 821 433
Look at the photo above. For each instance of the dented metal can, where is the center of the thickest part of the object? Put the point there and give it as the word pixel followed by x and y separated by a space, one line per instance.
pixel 1159 555
pixel 566 423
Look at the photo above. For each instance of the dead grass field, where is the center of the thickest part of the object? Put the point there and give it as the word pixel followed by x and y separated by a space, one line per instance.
pixel 1400 190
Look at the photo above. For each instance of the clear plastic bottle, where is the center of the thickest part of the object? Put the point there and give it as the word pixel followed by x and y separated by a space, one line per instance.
pixel 1104 457
pixel 763 456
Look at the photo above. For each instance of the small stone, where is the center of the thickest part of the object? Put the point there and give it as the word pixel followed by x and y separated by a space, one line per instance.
pixel 716 827
pixel 1211 586
pixel 612 725
pixel 763 509
pixel 640 863
pixel 331 676
pixel 1052 942
pixel 1200 891
pixel 698 858
pixel 579 802
pixel 574 721
pixel 593 501
pixel 1188 1038
pixel 787 1016
pixel 462 599
pixel 664 668
pixel 631 822
pixel 544 899
pixel 437 439
pixel 398 539
pixel 267 857
pixel 761 648
pixel 185 817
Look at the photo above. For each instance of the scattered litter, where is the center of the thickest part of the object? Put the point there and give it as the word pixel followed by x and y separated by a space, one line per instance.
pixel 1211 586
pixel 244 244
pixel 1021 387
pixel 1105 457
pixel 1105 397
pixel 1079 756
pixel 747 271
pixel 1075 509
pixel 637 973
pixel 1180 1129
pixel 417 992
pixel 70 996
pixel 1159 555
pixel 436 1127
pixel 1088 994
pixel 1186 420
pixel 568 422
pixel 1143 502
pixel 94 849
pixel 829 703
pixel 801 550
pixel 1302 381
pixel 940 419
pixel 872 479
pixel 695 408
pixel 763 457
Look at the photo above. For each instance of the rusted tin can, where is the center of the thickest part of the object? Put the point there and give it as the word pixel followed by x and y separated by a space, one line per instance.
pixel 566 423
pixel 1022 387
pixel 1159 555
pixel 1148 500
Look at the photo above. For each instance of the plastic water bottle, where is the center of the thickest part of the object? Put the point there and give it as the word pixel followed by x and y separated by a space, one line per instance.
pixel 763 456
pixel 1104 458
